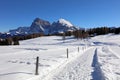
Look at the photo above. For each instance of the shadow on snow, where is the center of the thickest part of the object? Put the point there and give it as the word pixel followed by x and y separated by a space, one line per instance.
pixel 97 73
pixel 13 73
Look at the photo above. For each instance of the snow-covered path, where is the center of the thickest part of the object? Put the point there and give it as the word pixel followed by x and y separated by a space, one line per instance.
pixel 79 69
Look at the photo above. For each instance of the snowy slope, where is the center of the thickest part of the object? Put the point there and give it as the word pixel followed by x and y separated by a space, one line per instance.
pixel 18 62
pixel 61 26
pixel 109 56
pixel 98 59
pixel 65 22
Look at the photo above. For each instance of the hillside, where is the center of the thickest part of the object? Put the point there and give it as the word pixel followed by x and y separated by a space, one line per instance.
pixel 98 58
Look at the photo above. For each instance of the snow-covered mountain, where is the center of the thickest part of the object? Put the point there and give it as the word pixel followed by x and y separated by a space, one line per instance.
pixel 43 26
pixel 62 25
pixel 65 22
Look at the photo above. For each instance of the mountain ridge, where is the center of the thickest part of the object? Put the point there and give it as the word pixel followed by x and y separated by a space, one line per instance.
pixel 42 26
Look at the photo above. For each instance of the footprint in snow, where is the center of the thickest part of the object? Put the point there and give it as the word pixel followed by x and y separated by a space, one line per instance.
pixel 28 63
pixel 44 65
pixel 14 61
pixel 21 62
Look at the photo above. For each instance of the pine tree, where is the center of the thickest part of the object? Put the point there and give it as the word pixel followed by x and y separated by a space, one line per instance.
pixel 16 40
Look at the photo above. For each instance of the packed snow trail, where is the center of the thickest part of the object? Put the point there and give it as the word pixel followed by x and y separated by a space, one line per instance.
pixel 79 69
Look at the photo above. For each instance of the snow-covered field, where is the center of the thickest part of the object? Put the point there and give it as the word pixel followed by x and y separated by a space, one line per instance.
pixel 98 58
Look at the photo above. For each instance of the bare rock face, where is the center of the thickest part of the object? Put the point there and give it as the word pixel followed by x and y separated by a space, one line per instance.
pixel 39 25
pixel 43 23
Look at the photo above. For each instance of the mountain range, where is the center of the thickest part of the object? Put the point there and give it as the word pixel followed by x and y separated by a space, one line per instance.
pixel 45 27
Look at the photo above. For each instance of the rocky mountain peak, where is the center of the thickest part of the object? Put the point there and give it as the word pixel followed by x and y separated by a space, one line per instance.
pixel 41 22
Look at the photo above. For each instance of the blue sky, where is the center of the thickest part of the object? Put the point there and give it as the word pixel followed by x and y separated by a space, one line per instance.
pixel 83 13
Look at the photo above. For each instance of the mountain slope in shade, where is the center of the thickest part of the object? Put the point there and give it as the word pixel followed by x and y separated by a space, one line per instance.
pixel 39 26
pixel 20 30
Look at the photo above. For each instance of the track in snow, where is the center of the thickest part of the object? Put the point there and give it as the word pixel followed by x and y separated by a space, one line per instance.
pixel 97 73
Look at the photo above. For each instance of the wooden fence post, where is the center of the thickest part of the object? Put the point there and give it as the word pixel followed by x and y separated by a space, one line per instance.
pixel 67 53
pixel 83 48
pixel 37 64
pixel 78 49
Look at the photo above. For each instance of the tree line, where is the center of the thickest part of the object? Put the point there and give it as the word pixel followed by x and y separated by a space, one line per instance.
pixel 104 30
pixel 95 31
pixel 14 40
pixel 81 33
